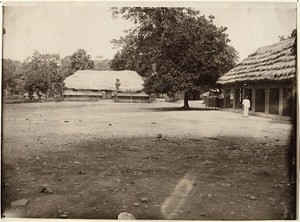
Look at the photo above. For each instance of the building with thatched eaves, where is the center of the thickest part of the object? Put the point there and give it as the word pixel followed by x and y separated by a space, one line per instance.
pixel 267 77
pixel 102 84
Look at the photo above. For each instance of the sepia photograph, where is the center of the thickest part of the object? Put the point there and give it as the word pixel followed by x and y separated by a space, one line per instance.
pixel 149 110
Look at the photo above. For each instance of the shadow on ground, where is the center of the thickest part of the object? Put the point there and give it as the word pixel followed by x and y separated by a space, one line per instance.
pixel 232 178
pixel 168 109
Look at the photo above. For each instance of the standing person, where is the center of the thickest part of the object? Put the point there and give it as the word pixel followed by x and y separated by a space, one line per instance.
pixel 246 104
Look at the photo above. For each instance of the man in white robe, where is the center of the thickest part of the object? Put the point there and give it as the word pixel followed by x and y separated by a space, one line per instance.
pixel 246 104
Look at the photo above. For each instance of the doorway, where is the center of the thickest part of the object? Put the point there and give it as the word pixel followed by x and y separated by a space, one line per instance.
pixel 274 101
pixel 260 100
pixel 288 100
pixel 238 98
pixel 248 93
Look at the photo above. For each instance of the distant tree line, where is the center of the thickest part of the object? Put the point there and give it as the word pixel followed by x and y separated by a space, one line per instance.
pixel 44 74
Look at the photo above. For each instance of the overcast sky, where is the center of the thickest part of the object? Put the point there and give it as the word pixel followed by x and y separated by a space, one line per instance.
pixel 63 29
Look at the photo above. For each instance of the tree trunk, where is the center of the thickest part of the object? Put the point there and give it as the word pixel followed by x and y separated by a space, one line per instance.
pixel 61 93
pixel 186 101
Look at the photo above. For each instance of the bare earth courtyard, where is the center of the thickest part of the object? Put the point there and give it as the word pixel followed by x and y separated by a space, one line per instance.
pixel 103 158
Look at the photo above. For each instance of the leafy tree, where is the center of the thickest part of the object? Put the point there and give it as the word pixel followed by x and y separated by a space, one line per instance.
pixel 12 74
pixel 175 49
pixel 117 84
pixel 128 56
pixel 42 74
pixel 122 61
pixel 101 64
pixel 66 66
pixel 80 61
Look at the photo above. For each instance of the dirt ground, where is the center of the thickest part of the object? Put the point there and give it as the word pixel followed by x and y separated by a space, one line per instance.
pixel 103 158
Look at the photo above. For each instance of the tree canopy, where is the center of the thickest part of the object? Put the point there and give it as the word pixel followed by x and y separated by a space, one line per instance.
pixel 175 49
pixel 80 60
pixel 41 73
pixel 12 82
pixel 44 73
pixel 101 64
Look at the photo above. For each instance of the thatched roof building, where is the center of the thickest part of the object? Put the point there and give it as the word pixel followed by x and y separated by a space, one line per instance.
pixel 274 62
pixel 130 81
pixel 266 77
pixel 102 84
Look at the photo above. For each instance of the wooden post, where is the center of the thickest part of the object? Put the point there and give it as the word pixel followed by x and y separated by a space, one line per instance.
pixel 280 101
pixel 237 98
pixel 267 100
pixel 243 93
pixel 253 100
pixel 225 98
pixel 234 99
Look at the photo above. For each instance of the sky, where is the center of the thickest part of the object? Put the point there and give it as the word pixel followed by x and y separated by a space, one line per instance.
pixel 64 28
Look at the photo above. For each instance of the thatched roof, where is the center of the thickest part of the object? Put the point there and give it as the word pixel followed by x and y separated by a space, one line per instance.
pixel 269 63
pixel 104 80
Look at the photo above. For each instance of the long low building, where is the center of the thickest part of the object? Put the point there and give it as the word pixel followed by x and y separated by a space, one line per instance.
pixel 102 84
pixel 267 77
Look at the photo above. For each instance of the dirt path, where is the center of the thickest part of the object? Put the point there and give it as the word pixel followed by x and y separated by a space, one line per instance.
pixel 206 166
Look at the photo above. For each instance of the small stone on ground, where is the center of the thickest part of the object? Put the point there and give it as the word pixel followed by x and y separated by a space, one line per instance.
pixel 45 189
pixel 125 216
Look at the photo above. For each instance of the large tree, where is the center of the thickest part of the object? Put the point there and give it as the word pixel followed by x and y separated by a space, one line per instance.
pixel 42 74
pixel 11 76
pixel 175 49
pixel 66 66
pixel 80 60
pixel 127 57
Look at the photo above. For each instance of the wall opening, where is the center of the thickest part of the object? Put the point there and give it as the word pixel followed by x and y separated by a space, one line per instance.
pixel 288 101
pixel 260 100
pixel 238 98
pixel 274 101
pixel 248 93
